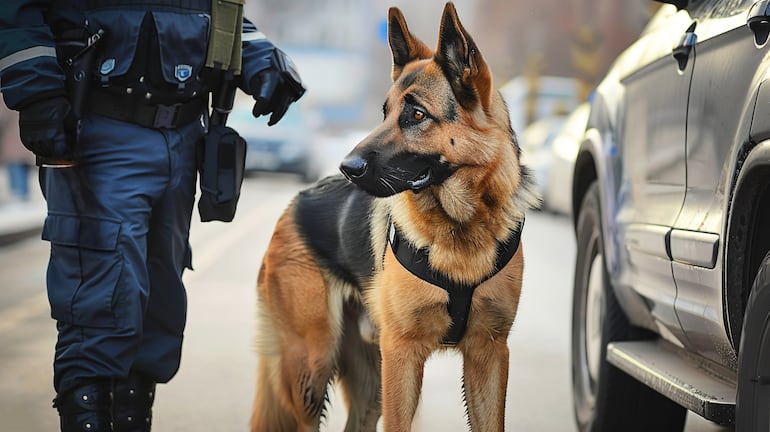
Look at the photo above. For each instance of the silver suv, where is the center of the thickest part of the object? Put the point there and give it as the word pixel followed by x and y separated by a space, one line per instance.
pixel 671 206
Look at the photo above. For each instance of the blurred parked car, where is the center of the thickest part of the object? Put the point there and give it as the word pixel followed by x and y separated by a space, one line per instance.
pixel 283 147
pixel 671 204
pixel 557 195
pixel 545 96
pixel 536 154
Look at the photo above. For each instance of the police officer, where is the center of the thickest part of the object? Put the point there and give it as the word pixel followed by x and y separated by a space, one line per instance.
pixel 119 175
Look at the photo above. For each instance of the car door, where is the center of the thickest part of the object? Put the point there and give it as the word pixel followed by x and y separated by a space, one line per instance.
pixel 652 149
pixel 723 86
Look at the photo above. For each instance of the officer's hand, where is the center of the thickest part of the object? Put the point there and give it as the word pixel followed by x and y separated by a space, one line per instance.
pixel 47 128
pixel 276 88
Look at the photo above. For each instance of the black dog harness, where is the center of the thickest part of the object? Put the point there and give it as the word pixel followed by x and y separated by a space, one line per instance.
pixel 460 294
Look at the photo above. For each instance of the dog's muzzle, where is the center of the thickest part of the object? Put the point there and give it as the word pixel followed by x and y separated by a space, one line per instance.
pixel 382 176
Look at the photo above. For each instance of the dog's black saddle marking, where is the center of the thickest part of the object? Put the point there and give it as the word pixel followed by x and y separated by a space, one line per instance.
pixel 460 294
pixel 333 217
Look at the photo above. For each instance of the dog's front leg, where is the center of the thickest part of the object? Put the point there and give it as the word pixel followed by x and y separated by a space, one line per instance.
pixel 485 379
pixel 403 362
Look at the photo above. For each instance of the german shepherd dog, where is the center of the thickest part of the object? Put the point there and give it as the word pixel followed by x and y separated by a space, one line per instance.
pixel 351 283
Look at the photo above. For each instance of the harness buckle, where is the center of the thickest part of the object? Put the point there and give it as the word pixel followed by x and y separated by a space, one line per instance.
pixel 165 116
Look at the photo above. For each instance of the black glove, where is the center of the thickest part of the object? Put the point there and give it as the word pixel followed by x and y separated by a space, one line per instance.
pixel 276 88
pixel 47 128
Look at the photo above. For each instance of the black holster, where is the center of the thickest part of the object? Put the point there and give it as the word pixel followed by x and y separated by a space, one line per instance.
pixel 222 159
pixel 221 171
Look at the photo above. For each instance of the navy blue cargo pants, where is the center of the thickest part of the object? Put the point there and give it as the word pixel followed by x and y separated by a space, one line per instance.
pixel 118 223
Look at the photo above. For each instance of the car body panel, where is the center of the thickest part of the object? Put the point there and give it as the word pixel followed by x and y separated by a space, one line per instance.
pixel 651 129
pixel 722 98
pixel 601 155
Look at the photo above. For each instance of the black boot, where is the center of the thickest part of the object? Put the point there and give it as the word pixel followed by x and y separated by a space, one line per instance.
pixel 132 403
pixel 85 408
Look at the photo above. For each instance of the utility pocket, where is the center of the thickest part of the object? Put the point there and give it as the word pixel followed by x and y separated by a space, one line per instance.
pixel 182 39
pixel 84 269
pixel 224 50
pixel 118 47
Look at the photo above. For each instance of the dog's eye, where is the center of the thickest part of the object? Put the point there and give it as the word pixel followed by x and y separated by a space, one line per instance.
pixel 412 115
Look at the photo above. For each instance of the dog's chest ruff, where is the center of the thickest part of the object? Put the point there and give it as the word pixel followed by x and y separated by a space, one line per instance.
pixel 460 294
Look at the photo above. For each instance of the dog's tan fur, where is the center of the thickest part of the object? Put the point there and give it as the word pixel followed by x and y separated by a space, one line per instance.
pixel 313 324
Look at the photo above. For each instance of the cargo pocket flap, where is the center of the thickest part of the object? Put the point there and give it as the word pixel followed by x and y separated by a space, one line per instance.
pixel 119 45
pixel 85 232
pixel 182 40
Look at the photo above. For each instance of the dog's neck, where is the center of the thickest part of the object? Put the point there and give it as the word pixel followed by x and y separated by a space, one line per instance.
pixel 462 221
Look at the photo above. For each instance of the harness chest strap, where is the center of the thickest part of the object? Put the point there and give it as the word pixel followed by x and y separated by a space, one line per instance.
pixel 460 294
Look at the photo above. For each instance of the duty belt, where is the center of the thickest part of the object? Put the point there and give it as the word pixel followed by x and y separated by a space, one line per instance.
pixel 150 116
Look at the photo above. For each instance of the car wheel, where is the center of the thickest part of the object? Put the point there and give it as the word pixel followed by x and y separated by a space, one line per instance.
pixel 605 398
pixel 754 357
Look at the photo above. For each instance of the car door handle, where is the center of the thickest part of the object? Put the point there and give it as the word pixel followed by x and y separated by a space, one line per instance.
pixel 681 51
pixel 758 22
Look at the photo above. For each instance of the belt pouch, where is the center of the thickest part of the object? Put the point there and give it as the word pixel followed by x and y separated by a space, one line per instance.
pixel 224 51
pixel 221 174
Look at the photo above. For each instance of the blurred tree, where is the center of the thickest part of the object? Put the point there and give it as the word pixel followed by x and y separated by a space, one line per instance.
pixel 510 31
pixel 586 59
pixel 532 72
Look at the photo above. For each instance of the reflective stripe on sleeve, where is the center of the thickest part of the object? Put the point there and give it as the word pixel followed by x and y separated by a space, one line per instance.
pixel 26 54
pixel 252 36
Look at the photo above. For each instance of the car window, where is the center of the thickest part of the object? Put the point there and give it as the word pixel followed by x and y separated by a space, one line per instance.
pixel 705 9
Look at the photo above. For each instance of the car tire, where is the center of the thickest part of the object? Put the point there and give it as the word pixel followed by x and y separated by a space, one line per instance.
pixel 753 396
pixel 605 398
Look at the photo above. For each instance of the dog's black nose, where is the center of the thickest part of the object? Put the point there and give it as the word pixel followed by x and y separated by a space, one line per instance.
pixel 353 167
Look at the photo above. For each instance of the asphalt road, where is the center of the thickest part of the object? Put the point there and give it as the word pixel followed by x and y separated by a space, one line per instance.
pixel 214 389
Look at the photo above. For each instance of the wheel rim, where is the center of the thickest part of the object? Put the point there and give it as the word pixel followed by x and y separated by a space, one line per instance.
pixel 594 319
pixel 590 338
pixel 593 322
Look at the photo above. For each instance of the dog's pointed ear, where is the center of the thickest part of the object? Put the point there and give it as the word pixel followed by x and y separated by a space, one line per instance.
pixel 462 63
pixel 404 46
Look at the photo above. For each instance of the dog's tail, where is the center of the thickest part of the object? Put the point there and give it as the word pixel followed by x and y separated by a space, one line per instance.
pixel 269 412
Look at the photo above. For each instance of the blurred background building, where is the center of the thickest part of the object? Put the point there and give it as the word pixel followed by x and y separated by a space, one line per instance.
pixel 341 46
